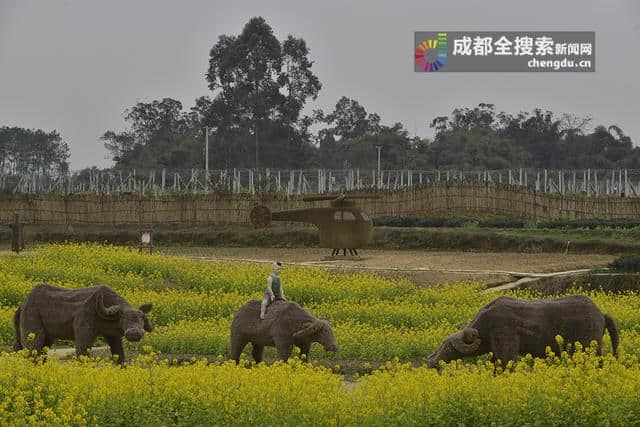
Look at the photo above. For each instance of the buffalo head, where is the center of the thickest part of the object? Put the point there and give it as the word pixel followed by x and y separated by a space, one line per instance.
pixel 318 331
pixel 132 321
pixel 456 346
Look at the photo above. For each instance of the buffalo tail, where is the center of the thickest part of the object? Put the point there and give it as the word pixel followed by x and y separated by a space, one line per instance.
pixel 17 345
pixel 613 333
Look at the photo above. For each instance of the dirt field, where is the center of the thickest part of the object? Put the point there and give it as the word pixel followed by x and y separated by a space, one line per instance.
pixel 423 267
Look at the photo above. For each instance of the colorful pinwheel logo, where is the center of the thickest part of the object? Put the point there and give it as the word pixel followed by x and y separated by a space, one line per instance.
pixel 432 54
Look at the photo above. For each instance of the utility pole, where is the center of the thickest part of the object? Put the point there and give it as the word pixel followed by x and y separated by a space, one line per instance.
pixel 256 132
pixel 378 180
pixel 206 149
pixel 206 158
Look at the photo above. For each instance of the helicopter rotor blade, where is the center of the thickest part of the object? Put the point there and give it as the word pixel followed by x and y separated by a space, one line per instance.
pixel 318 198
pixel 340 196
pixel 363 197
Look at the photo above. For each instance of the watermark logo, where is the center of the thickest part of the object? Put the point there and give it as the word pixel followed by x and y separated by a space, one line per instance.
pixel 431 54
pixel 505 51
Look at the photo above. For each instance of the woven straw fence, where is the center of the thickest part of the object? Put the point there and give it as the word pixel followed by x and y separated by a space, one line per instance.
pixel 440 198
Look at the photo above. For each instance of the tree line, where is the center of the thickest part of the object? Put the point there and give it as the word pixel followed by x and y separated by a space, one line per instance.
pixel 255 112
pixel 260 86
pixel 32 151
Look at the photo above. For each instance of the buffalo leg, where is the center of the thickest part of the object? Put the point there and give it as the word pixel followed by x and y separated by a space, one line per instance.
pixel 599 350
pixel 256 352
pixel 304 351
pixel 33 335
pixel 115 345
pixel 237 345
pixel 84 341
pixel 505 346
pixel 48 341
pixel 284 349
pixel 83 347
pixel 36 341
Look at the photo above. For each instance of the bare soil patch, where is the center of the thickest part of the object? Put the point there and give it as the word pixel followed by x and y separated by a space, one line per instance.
pixel 422 267
pixel 610 282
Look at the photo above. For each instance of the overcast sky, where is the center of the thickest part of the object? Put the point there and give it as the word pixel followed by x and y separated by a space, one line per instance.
pixel 75 65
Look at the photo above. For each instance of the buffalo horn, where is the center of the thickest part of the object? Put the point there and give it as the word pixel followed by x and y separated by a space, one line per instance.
pixel 106 312
pixel 308 328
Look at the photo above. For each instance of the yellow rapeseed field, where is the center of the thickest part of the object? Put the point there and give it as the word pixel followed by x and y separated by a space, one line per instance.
pixel 375 320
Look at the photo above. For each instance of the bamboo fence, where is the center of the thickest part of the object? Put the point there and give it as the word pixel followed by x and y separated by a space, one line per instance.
pixel 312 181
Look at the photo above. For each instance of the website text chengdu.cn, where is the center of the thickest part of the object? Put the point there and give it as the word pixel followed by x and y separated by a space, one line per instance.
pixel 555 64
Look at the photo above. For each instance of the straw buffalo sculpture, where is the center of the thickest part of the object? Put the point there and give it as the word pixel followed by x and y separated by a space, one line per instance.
pixel 509 327
pixel 285 324
pixel 49 313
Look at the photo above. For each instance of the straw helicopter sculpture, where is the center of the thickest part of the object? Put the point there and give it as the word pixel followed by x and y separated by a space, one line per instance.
pixel 341 226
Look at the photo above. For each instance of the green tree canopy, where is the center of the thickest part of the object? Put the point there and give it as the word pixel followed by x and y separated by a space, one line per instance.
pixel 260 87
pixel 30 150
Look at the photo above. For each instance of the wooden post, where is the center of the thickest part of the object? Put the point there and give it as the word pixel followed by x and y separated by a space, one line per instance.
pixel 291 183
pixel 520 177
pixel 267 178
pixel 620 190
pixel 17 235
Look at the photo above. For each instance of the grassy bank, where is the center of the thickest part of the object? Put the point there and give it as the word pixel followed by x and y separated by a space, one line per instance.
pixel 599 241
